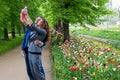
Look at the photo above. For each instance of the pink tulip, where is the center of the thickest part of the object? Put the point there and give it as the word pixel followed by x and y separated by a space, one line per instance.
pixel 118 66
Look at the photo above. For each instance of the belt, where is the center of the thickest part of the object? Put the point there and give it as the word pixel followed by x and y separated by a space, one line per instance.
pixel 39 53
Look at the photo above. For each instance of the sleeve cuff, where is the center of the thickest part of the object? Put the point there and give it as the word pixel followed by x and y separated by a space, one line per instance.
pixel 41 44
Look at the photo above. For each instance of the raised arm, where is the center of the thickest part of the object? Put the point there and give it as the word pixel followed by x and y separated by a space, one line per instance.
pixel 39 30
pixel 28 20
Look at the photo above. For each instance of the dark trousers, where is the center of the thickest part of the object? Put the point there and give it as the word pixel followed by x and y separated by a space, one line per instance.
pixel 28 66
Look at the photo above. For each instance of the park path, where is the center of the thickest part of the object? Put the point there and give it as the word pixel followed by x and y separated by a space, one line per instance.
pixel 108 41
pixel 12 65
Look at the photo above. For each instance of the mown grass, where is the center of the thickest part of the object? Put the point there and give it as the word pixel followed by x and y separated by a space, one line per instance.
pixel 10 44
pixel 113 35
pixel 102 33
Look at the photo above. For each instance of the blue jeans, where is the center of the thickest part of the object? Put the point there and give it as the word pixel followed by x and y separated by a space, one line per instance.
pixel 28 67
pixel 36 67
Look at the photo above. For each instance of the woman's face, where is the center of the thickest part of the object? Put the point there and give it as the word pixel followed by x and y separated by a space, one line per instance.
pixel 39 22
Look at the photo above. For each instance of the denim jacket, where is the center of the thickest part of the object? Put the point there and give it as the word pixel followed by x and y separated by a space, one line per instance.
pixel 25 40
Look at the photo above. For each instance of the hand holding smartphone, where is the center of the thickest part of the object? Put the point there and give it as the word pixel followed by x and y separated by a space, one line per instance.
pixel 23 13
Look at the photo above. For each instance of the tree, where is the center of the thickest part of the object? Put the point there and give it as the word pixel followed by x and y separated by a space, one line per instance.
pixel 59 13
pixel 10 16
pixel 74 11
pixel 3 16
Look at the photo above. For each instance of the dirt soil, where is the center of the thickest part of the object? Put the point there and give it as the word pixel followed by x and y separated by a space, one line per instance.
pixel 12 65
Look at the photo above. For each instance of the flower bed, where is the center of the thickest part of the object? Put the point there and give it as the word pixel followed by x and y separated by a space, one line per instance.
pixel 83 59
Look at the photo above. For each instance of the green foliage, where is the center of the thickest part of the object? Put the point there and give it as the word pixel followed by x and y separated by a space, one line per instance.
pixel 116 44
pixel 77 11
pixel 1 33
pixel 10 13
pixel 59 65
pixel 7 45
pixel 3 9
pixel 11 10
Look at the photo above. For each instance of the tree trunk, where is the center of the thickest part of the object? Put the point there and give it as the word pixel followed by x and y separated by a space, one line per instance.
pixel 58 26
pixel 19 31
pixel 13 33
pixel 66 23
pixel 12 30
pixel 6 34
pixel 66 30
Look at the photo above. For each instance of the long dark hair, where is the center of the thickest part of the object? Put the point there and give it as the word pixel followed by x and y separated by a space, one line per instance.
pixel 47 28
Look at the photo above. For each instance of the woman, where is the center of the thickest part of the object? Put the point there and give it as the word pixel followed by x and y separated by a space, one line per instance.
pixel 24 51
pixel 39 31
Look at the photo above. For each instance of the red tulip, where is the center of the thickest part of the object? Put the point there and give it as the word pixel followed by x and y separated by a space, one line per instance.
pixel 95 54
pixel 88 50
pixel 74 68
pixel 82 70
pixel 108 50
pixel 87 64
pixel 97 65
pixel 83 62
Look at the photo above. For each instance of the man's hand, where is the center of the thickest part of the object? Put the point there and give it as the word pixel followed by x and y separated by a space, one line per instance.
pixel 38 42
pixel 22 53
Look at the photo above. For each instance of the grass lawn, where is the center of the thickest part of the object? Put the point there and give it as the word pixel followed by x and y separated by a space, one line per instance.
pixel 7 45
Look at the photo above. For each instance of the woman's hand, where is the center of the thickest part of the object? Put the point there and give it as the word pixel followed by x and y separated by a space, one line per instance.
pixel 23 14
pixel 28 20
